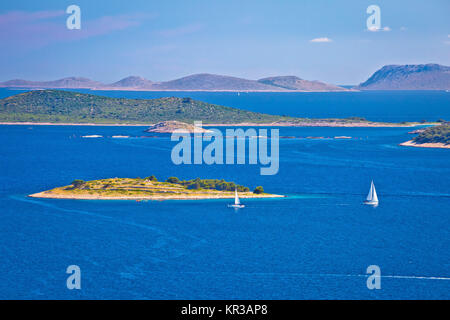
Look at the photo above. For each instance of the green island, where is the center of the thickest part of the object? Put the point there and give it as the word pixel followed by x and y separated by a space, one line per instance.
pixel 67 107
pixel 432 137
pixel 151 189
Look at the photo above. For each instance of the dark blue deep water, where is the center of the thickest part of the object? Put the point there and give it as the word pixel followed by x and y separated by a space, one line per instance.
pixel 314 244
pixel 395 106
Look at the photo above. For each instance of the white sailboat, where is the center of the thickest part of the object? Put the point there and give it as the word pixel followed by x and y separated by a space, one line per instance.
pixel 372 198
pixel 237 203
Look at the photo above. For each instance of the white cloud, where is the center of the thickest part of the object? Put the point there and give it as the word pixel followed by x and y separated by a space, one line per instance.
pixel 447 41
pixel 324 39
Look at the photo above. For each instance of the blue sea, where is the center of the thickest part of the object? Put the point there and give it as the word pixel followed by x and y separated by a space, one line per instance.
pixel 315 244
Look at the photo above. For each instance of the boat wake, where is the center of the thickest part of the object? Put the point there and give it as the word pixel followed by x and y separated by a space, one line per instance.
pixel 295 274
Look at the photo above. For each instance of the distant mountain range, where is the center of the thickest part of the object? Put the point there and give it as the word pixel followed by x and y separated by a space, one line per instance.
pixel 71 82
pixel 391 77
pixel 196 82
pixel 297 84
pixel 131 82
pixel 409 77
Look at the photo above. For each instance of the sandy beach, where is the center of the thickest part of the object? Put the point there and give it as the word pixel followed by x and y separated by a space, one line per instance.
pixel 200 196
pixel 411 143
pixel 244 124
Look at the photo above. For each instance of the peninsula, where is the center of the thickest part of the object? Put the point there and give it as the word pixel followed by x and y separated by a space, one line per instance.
pixel 409 77
pixel 151 189
pixel 52 107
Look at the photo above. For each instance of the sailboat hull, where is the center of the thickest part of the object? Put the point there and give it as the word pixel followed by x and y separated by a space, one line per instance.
pixel 371 203
pixel 236 206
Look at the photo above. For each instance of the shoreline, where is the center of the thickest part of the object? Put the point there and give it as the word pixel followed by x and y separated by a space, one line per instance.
pixel 243 124
pixel 48 195
pixel 74 124
pixel 334 124
pixel 183 90
pixel 438 145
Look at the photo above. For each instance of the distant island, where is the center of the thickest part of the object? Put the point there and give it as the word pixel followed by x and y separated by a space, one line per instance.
pixel 409 77
pixel 151 189
pixel 195 82
pixel 432 137
pixel 69 108
pixel 389 77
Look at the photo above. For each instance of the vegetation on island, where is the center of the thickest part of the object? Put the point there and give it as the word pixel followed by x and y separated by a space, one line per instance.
pixel 58 106
pixel 73 107
pixel 436 134
pixel 151 188
pixel 258 190
pixel 213 184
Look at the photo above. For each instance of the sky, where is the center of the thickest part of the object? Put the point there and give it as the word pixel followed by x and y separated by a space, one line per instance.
pixel 163 40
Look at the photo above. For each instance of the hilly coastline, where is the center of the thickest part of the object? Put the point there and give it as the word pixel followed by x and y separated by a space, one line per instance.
pixel 195 82
pixel 409 77
pixel 297 84
pixel 389 77
pixel 67 107
pixel 65 83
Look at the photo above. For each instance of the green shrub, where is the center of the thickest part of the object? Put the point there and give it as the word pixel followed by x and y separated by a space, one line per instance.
pixel 258 190
pixel 78 183
pixel 173 180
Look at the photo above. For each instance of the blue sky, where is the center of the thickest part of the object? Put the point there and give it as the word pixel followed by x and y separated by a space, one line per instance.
pixel 163 40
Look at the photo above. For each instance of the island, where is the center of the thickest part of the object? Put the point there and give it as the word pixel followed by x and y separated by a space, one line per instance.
pixel 409 77
pixel 171 126
pixel 151 189
pixel 431 137
pixel 59 107
pixel 194 82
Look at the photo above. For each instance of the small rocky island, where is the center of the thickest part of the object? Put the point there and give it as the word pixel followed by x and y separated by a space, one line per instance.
pixel 151 189
pixel 431 137
pixel 171 126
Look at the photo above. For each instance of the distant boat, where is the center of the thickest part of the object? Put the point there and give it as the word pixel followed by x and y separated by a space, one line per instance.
pixel 237 203
pixel 372 198
pixel 92 136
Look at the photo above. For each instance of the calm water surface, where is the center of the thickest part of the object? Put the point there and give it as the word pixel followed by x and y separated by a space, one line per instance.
pixel 316 243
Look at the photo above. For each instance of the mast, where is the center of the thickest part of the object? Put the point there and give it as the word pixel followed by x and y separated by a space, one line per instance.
pixel 374 193
pixel 370 195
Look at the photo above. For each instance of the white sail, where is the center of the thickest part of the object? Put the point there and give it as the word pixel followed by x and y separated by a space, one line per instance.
pixel 372 196
pixel 236 198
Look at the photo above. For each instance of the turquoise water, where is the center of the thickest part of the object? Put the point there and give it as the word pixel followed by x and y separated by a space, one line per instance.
pixel 316 243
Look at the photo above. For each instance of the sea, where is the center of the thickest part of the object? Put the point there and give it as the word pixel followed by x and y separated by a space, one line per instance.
pixel 316 243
